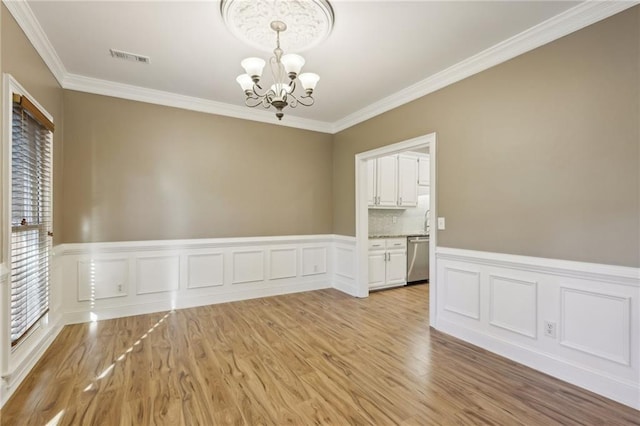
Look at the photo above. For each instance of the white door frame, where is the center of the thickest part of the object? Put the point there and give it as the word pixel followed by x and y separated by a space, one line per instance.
pixel 362 213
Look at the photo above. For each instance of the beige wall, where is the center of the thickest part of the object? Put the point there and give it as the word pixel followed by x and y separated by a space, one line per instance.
pixel 21 60
pixel 537 156
pixel 136 171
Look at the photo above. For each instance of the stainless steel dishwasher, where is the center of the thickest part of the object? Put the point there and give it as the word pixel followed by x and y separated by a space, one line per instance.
pixel 417 259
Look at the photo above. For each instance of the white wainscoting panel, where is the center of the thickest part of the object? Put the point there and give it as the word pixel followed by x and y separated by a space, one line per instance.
pixel 314 260
pixel 283 263
pixel 595 308
pixel 102 279
pixel 344 261
pixel 248 266
pixel 596 323
pixel 161 275
pixel 513 305
pixel 205 270
pixel 156 274
pixel 344 265
pixel 462 292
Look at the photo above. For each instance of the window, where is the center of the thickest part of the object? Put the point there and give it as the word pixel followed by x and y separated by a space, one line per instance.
pixel 31 144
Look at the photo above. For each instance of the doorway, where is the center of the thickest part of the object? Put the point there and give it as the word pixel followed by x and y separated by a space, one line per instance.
pixel 362 211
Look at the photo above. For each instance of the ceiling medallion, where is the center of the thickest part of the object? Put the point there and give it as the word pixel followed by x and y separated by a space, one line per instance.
pixel 309 22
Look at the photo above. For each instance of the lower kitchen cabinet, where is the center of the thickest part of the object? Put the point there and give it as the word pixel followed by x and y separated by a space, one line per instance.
pixel 387 262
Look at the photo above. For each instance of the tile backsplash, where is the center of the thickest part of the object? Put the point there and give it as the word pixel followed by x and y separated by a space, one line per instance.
pixel 409 221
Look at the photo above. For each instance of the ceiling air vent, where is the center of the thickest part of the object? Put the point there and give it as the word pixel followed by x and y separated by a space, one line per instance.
pixel 129 56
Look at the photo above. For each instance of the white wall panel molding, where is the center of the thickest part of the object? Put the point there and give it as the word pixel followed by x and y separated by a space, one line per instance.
pixel 204 270
pixel 248 266
pixel 102 279
pixel 462 292
pixel 513 304
pixel 596 323
pixel 157 274
pixel 106 280
pixel 593 310
pixel 283 263
pixel 314 260
pixel 344 265
pixel 344 261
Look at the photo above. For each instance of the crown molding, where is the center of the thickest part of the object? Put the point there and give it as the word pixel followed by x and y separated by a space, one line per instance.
pixel 574 19
pixel 578 17
pixel 141 94
pixel 22 13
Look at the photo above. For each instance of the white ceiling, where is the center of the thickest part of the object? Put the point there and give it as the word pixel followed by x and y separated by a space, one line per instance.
pixel 376 49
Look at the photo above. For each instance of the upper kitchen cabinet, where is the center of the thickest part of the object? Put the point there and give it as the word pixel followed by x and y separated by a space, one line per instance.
pixel 424 170
pixel 382 182
pixel 407 181
pixel 387 181
pixel 392 182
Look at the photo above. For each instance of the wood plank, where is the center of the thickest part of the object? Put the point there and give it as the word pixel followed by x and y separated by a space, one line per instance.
pixel 319 357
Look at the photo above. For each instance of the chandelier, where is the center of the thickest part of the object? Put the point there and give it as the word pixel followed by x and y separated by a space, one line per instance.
pixel 285 71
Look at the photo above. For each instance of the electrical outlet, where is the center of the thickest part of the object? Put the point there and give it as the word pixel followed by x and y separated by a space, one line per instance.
pixel 394 219
pixel 119 288
pixel 550 329
pixel 441 223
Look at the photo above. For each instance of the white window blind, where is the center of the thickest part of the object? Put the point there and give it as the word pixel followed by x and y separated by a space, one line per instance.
pixel 31 141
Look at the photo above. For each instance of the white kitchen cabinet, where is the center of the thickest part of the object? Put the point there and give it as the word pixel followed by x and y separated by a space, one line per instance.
pixel 392 182
pixel 424 170
pixel 407 181
pixel 387 181
pixel 387 262
pixel 372 196
pixel 377 269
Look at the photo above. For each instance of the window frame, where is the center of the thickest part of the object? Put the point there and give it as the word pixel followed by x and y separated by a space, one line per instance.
pixel 15 358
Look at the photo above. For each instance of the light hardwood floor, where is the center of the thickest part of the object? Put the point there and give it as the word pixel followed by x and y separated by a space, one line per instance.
pixel 320 357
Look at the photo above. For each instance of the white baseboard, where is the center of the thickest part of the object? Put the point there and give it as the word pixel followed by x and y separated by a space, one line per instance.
pixel 503 303
pixel 74 317
pixel 12 379
pixel 623 391
pixel 347 286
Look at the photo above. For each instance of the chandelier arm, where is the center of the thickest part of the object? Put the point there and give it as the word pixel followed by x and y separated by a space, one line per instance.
pixel 266 102
pixel 306 100
pixel 258 94
pixel 250 104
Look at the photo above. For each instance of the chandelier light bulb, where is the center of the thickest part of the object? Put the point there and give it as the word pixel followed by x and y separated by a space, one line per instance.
pixel 253 67
pixel 292 64
pixel 245 82
pixel 309 81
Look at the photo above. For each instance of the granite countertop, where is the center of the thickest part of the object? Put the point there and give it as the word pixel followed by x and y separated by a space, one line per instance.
pixel 414 234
